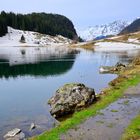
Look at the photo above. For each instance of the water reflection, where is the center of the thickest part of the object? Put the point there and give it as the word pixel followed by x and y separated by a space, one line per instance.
pixel 35 61
pixel 124 57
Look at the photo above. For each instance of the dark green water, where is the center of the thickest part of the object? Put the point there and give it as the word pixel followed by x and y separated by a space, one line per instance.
pixel 27 82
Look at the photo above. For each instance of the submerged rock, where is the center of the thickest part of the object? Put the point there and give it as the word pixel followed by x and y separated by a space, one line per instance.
pixel 112 69
pixel 15 134
pixel 33 126
pixel 105 69
pixel 70 98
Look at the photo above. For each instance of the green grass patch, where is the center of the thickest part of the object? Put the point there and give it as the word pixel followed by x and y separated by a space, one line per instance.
pixel 101 122
pixel 133 130
pixel 126 102
pixel 112 94
pixel 114 110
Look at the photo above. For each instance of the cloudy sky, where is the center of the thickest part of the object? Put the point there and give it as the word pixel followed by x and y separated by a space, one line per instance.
pixel 83 13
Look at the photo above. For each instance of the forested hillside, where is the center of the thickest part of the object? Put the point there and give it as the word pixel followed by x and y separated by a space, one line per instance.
pixel 51 24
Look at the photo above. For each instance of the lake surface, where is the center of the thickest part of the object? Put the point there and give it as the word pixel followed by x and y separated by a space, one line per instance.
pixel 30 76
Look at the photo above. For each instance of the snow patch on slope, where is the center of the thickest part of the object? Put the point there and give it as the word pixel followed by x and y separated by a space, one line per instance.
pixel 12 38
pixel 115 46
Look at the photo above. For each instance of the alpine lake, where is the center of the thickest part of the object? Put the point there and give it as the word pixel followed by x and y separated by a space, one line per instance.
pixel 29 77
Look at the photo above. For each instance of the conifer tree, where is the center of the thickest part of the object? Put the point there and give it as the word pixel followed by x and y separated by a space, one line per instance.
pixel 22 40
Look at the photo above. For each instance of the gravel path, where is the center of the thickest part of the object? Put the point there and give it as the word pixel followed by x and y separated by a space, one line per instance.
pixel 110 123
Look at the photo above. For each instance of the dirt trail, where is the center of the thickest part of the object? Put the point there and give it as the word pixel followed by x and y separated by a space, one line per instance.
pixel 110 123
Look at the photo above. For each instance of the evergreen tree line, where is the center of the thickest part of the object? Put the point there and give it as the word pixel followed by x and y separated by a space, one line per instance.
pixel 51 24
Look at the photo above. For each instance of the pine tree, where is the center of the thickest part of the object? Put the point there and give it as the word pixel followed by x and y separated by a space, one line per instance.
pixel 22 40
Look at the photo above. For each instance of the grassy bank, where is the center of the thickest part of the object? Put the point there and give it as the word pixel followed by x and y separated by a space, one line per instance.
pixel 133 130
pixel 110 95
pixel 85 45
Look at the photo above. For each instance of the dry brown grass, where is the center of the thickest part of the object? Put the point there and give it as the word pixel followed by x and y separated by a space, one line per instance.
pixel 132 70
pixel 124 38
pixel 87 46
pixel 135 35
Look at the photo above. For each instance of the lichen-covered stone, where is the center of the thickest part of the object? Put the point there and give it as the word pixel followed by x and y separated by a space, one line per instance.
pixel 112 69
pixel 69 98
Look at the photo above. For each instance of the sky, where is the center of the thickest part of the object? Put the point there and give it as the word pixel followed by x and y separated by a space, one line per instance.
pixel 83 13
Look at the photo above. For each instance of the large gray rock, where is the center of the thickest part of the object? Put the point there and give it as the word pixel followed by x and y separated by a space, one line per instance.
pixel 70 98
pixel 15 134
pixel 33 126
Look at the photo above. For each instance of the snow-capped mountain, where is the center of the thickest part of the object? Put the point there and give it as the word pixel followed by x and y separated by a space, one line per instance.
pixel 103 30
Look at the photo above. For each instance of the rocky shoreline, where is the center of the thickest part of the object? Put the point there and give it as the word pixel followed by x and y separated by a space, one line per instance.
pixel 76 96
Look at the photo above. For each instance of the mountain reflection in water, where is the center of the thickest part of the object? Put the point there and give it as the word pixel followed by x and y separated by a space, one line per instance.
pixel 35 61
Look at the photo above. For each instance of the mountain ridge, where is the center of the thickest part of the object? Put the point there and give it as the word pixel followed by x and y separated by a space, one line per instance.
pixel 133 27
pixel 112 28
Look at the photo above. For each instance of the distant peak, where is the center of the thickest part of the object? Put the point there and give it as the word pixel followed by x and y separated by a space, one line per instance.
pixel 112 28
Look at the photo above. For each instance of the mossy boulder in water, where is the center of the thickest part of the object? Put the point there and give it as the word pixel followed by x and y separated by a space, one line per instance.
pixel 112 69
pixel 70 98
